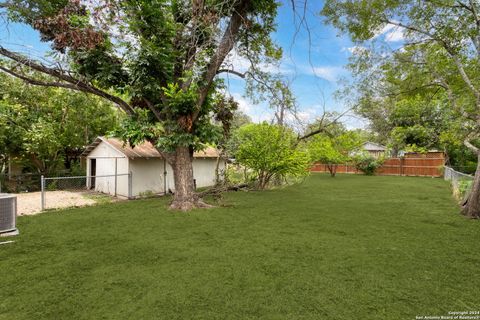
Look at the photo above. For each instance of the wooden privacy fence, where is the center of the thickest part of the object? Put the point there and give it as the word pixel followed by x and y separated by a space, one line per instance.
pixel 405 166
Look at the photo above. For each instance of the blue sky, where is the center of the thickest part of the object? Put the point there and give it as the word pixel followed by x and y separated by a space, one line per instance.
pixel 312 68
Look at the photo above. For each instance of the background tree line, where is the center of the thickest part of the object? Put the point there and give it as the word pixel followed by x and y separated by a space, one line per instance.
pixel 428 89
pixel 44 130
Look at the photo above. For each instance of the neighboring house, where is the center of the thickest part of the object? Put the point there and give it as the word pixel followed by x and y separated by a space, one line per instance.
pixel 374 149
pixel 150 172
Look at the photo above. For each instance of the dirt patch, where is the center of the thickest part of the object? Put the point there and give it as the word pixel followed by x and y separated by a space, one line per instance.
pixel 30 203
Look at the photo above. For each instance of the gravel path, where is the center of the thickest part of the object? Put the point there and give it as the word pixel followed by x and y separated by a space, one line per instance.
pixel 30 203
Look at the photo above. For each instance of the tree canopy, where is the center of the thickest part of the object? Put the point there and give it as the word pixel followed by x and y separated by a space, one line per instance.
pixel 440 52
pixel 158 61
pixel 45 128
pixel 334 148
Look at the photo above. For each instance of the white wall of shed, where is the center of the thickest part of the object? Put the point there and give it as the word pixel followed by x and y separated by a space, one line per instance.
pixel 106 156
pixel 147 175
pixel 104 150
pixel 106 166
pixel 204 171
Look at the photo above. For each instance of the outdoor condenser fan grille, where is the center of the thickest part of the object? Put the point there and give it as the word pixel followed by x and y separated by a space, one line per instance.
pixel 8 212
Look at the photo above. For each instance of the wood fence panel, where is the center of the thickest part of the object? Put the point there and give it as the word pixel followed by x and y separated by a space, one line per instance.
pixel 425 166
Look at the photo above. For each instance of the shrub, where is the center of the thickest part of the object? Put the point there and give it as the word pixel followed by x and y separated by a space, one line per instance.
pixel 470 167
pixel 147 194
pixel 236 174
pixel 367 164
pixel 464 187
pixel 270 151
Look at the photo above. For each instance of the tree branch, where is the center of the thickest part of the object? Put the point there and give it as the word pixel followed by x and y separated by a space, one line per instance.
pixel 428 85
pixel 153 109
pixel 465 77
pixel 74 84
pixel 323 128
pixel 237 73
pixel 470 146
pixel 38 82
pixel 225 46
pixel 452 55
pixel 404 26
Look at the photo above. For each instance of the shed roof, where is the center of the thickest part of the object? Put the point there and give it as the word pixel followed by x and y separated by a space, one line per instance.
pixel 144 150
pixel 372 146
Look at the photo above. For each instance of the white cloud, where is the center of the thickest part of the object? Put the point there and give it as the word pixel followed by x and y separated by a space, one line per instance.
pixel 243 104
pixel 258 113
pixel 263 116
pixel 394 36
pixel 383 31
pixel 329 73
pixel 241 64
pixel 353 123
pixel 391 33
pixel 355 50
pixel 304 116
pixel 236 62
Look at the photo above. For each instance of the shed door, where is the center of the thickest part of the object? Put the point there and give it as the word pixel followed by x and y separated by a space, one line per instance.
pixel 93 172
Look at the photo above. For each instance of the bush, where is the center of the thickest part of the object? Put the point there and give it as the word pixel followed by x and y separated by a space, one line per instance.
pixel 367 164
pixel 147 194
pixel 464 186
pixel 236 174
pixel 270 151
pixel 470 167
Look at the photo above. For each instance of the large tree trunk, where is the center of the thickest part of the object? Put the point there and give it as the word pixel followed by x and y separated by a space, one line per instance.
pixel 471 208
pixel 185 197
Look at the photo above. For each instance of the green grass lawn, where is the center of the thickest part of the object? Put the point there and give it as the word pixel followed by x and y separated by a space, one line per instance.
pixel 352 247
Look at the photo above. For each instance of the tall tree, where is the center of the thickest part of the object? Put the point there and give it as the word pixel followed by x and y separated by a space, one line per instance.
pixel 409 100
pixel 158 61
pixel 47 128
pixel 450 28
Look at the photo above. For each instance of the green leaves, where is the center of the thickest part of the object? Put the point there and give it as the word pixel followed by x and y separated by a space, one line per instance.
pixel 180 101
pixel 139 128
pixel 43 125
pixel 426 93
pixel 270 150
pixel 367 164
pixel 333 149
pixel 159 56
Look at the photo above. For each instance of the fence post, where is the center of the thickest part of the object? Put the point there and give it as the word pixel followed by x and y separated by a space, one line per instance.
pixel 130 185
pixel 42 186
pixel 164 177
pixel 115 192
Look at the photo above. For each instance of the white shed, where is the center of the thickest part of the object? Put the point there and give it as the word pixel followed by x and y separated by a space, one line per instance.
pixel 150 173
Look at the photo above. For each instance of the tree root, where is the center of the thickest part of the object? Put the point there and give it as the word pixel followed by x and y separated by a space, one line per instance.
pixel 196 202
pixel 221 189
pixel 187 205
pixel 466 211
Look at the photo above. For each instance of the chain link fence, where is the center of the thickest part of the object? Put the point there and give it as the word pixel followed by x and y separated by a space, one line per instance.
pixel 71 191
pixel 16 183
pixel 461 183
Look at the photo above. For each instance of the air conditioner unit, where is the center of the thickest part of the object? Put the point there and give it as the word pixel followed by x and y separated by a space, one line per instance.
pixel 8 213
